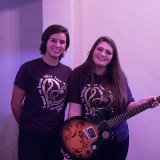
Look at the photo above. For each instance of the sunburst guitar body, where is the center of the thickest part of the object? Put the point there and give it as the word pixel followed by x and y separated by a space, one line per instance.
pixel 81 138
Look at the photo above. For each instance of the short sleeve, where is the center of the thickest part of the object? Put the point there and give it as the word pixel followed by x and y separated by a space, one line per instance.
pixel 23 77
pixel 130 97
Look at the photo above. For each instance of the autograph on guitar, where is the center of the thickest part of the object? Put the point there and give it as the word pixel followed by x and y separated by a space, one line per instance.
pixel 81 138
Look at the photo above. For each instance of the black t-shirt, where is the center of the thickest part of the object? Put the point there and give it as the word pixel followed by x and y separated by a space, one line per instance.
pixel 95 99
pixel 46 89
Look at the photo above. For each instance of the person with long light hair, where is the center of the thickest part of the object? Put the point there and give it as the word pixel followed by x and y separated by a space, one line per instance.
pixel 98 90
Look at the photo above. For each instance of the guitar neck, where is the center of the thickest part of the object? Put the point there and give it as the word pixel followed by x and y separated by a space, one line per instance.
pixel 130 113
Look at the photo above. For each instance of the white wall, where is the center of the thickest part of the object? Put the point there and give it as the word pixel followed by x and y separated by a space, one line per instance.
pixel 59 12
pixel 68 13
pixel 135 28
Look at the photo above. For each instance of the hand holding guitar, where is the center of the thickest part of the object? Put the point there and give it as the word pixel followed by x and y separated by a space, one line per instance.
pixel 153 102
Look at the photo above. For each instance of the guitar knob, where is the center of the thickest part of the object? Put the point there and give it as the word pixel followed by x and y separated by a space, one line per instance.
pixel 88 151
pixel 105 134
pixel 80 156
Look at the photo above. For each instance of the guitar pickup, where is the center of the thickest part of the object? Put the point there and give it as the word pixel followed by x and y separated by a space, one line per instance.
pixel 90 133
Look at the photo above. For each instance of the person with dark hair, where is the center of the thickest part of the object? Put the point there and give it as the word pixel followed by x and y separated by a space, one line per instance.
pixel 99 91
pixel 39 98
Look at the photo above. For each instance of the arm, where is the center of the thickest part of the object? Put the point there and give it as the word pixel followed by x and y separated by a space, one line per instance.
pixel 74 110
pixel 17 101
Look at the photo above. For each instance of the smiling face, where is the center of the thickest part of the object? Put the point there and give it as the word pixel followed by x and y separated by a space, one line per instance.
pixel 102 56
pixel 55 46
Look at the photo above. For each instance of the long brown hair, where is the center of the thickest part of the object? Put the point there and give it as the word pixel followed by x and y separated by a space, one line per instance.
pixel 115 75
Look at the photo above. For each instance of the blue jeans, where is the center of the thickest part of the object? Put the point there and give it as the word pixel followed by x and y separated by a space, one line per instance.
pixel 33 146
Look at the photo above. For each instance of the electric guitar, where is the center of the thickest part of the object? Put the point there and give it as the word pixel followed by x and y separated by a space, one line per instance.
pixel 81 138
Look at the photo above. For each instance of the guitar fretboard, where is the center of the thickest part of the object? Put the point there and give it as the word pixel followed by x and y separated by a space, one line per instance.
pixel 130 113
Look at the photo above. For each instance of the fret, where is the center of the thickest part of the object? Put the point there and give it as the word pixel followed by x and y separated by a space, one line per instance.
pixel 132 112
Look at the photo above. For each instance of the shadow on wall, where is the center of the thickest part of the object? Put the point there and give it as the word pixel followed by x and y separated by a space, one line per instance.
pixel 8 137
pixel 20 34
pixel 26 19
pixel 10 4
